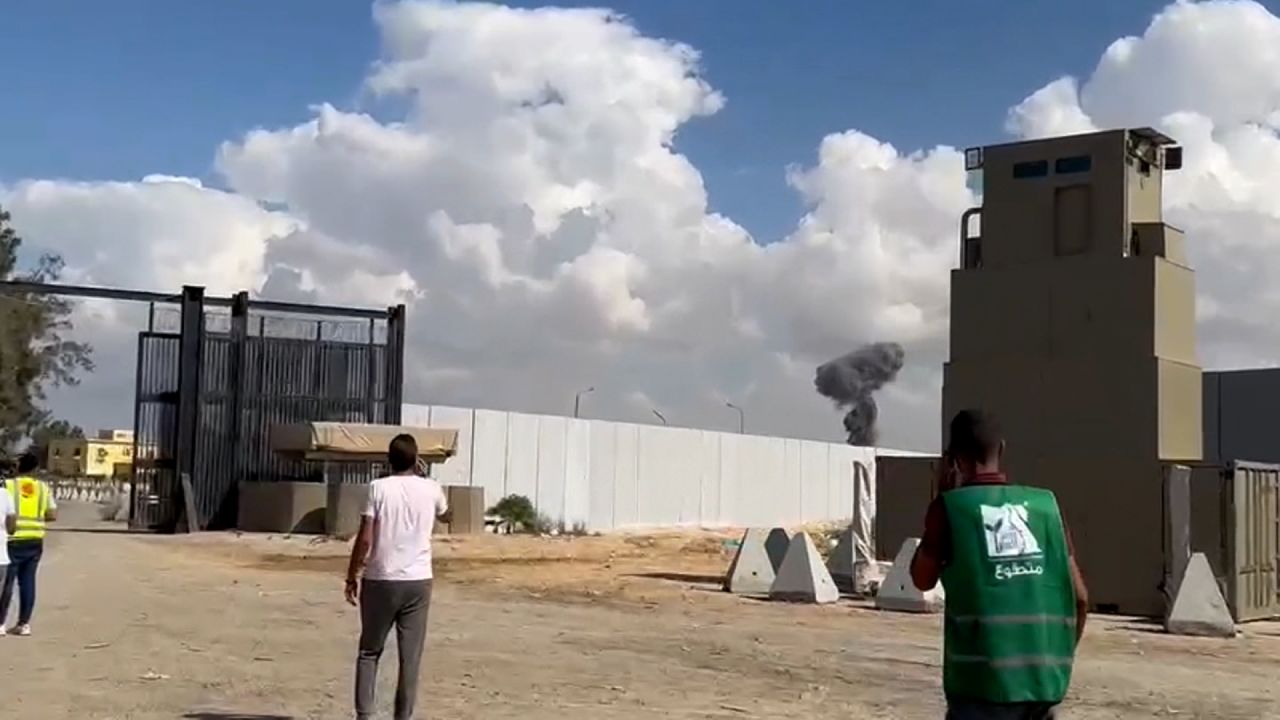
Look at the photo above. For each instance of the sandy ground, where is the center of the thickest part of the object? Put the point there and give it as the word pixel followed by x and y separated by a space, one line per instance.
pixel 226 627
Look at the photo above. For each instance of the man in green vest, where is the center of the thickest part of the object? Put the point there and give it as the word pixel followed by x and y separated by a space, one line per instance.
pixel 1016 602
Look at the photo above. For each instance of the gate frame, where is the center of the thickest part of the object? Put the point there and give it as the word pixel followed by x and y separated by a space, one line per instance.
pixel 192 302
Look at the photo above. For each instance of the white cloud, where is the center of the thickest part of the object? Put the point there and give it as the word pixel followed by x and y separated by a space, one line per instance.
pixel 530 208
pixel 1207 74
pixel 1052 110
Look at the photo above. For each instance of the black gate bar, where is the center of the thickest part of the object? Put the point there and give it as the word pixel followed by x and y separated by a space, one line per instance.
pixel 186 397
pixel 89 291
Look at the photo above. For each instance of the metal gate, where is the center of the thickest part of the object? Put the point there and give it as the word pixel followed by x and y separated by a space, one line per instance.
pixel 208 395
pixel 1253 540
pixel 154 484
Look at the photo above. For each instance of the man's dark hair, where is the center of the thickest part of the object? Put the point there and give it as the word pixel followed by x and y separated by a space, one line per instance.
pixel 975 436
pixel 27 463
pixel 402 455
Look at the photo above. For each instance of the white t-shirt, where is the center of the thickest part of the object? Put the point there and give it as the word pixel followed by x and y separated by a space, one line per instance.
pixel 404 510
pixel 6 509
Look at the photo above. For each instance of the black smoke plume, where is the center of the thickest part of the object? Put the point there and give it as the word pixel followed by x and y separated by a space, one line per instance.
pixel 851 379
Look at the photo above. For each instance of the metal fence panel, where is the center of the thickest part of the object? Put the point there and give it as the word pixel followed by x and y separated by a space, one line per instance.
pixel 1254 543
pixel 253 371
pixel 153 490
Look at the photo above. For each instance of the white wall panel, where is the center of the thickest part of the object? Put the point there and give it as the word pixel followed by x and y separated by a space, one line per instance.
pixel 840 481
pixel 662 462
pixel 815 481
pixel 686 481
pixel 415 415
pixel 709 511
pixel 791 497
pixel 522 455
pixel 618 475
pixel 577 471
pixel 761 474
pixel 553 440
pixel 626 489
pixel 602 474
pixel 457 470
pixel 489 454
pixel 731 500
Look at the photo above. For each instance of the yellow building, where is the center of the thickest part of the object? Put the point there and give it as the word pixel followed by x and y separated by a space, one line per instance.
pixel 99 456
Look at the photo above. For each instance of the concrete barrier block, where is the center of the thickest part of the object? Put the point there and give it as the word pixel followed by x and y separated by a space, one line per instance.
pixel 467 504
pixel 898 593
pixel 755 566
pixel 281 507
pixel 344 505
pixel 803 577
pixel 1199 608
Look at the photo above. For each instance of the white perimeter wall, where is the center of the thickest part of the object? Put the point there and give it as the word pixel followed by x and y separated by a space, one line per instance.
pixel 612 475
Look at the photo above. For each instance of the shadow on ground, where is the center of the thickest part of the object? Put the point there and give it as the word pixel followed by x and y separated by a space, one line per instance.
pixel 105 530
pixel 691 578
pixel 215 715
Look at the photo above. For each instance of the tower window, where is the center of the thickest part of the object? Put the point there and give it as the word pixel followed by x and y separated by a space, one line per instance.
pixel 1074 164
pixel 1030 169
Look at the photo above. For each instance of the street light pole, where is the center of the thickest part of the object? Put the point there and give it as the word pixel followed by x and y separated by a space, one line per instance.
pixel 577 399
pixel 660 417
pixel 742 418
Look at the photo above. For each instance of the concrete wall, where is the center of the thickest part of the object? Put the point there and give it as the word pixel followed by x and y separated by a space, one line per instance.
pixel 609 475
pixel 285 507
pixel 345 503
pixel 1208 507
pixel 904 487
pixel 1239 416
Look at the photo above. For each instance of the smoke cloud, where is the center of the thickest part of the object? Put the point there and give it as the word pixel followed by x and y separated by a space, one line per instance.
pixel 851 379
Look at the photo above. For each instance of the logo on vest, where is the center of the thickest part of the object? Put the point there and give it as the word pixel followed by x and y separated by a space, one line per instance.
pixel 1010 540
pixel 27 489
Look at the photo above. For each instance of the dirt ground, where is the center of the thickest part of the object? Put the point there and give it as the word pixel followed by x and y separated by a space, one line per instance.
pixel 227 627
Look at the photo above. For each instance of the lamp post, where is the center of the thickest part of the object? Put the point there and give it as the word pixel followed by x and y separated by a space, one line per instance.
pixel 742 418
pixel 577 399
pixel 659 416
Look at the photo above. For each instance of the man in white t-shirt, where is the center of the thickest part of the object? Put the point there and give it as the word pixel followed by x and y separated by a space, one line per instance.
pixel 389 577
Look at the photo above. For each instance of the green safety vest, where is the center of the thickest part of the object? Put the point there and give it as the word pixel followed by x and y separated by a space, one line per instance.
pixel 1011 606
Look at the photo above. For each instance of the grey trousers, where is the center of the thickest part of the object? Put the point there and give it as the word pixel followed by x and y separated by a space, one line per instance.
pixel 383 604
pixel 975 710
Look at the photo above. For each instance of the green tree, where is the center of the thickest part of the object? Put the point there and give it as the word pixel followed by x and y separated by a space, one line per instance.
pixel 517 513
pixel 35 353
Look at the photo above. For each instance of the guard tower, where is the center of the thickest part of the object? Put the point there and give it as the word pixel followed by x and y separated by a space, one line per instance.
pixel 1073 320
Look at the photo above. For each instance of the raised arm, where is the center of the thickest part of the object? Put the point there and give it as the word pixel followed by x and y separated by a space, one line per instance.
pixel 926 565
pixel 443 512
pixel 362 546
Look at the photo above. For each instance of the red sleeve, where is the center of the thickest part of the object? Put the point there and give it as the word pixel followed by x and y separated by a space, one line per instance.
pixel 936 542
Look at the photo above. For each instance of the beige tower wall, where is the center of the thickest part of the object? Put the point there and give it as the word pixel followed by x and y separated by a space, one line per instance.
pixel 1019 227
pixel 1077 331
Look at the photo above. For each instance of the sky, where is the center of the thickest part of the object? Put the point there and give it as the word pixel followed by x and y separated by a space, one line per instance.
pixel 678 203
pixel 170 81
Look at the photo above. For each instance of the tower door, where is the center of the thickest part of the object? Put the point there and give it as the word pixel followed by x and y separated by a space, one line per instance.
pixel 1072 219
